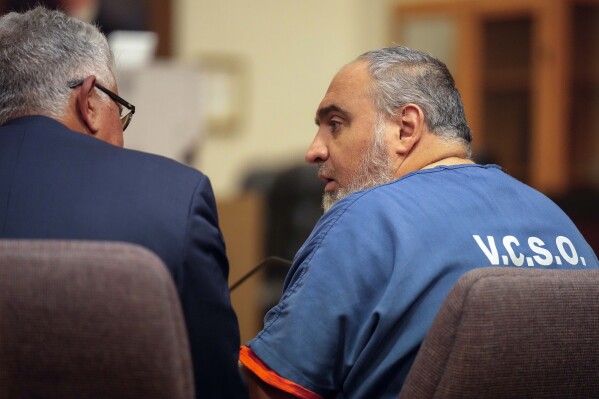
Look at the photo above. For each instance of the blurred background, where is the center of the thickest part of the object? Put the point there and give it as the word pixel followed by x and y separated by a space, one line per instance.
pixel 231 87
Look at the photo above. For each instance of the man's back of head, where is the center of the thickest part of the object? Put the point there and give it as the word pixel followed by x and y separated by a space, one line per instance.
pixel 402 75
pixel 60 67
pixel 40 52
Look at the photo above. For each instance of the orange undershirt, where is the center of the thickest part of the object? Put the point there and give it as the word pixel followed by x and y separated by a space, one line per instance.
pixel 266 374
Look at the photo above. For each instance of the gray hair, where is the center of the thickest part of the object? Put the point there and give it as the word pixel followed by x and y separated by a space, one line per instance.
pixel 402 76
pixel 41 51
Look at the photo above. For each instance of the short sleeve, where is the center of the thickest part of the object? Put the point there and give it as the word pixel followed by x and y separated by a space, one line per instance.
pixel 328 311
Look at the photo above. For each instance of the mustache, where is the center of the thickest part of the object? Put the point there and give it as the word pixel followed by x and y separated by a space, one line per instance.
pixel 325 170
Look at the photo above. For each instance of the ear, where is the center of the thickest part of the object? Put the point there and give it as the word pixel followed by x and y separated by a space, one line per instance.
pixel 410 123
pixel 87 105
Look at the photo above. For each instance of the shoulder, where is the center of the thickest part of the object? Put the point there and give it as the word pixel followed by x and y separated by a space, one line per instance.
pixel 401 210
pixel 349 235
pixel 153 163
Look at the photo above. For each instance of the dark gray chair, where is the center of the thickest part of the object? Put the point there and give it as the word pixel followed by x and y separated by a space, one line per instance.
pixel 82 319
pixel 512 333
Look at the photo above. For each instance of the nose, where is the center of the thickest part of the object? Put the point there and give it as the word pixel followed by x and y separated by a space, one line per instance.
pixel 318 151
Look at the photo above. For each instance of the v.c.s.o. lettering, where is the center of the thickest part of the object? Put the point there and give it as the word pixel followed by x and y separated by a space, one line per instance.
pixel 533 251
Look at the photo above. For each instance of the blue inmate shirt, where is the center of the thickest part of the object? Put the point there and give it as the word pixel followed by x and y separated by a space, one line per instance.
pixel 366 285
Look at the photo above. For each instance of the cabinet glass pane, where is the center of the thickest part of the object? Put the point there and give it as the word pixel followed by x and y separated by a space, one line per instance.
pixel 507 127
pixel 435 35
pixel 585 97
pixel 507 93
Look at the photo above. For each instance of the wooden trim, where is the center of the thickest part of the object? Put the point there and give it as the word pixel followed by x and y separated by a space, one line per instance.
pixel 480 7
pixel 428 8
pixel 468 75
pixel 161 12
pixel 507 8
pixel 549 167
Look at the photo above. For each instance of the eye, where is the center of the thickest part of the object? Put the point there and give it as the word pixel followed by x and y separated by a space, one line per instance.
pixel 334 124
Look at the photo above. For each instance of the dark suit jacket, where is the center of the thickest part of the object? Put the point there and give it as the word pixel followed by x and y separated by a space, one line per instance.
pixel 57 183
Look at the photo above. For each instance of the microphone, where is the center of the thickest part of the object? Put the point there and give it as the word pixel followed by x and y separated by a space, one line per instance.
pixel 270 261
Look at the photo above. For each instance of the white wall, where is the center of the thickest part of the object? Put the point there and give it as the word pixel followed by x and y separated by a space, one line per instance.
pixel 291 50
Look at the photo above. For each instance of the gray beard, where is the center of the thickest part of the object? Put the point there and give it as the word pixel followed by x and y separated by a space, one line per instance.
pixel 375 169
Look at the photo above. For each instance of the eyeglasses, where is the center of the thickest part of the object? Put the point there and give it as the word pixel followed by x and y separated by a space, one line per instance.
pixel 125 119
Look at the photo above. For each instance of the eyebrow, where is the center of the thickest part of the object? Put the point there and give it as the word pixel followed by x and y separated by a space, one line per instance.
pixel 322 113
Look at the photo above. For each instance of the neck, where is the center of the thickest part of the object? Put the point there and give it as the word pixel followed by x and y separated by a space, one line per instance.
pixel 436 152
pixel 448 161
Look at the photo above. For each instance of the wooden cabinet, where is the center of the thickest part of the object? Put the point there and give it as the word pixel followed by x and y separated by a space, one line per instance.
pixel 155 15
pixel 528 71
pixel 242 223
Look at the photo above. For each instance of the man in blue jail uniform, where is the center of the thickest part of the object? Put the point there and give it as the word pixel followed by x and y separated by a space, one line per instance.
pixel 407 212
